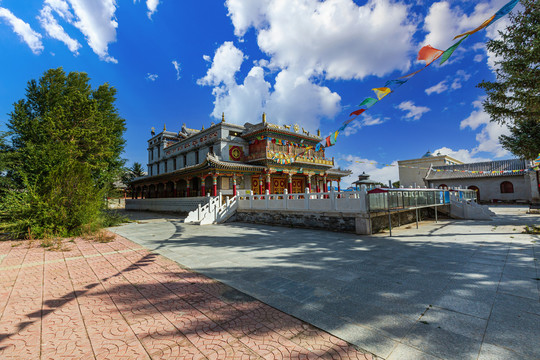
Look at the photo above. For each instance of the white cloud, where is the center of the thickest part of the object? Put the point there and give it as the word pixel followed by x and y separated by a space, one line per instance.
pixel 55 30
pixel 177 67
pixel 443 86
pixel 96 20
pixel 61 7
pixel 246 13
pixel 438 88
pixel 334 37
pixel 464 155
pixel 488 137
pixel 294 96
pixel 378 172
pixel 152 7
pixel 366 120
pixel 413 112
pixel 443 22
pixel 151 77
pixel 226 63
pixel 478 57
pixel 25 32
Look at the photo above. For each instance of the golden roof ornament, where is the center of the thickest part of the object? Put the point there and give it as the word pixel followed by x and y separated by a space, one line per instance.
pixel 223 117
pixel 202 128
pixel 319 132
pixel 153 130
pixel 164 127
pixel 264 118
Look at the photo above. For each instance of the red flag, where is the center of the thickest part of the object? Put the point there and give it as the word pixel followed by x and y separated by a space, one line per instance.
pixel 328 143
pixel 429 54
pixel 357 112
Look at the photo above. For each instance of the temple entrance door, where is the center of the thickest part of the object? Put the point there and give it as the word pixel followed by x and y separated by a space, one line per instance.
pixel 279 185
pixel 297 186
pixel 255 186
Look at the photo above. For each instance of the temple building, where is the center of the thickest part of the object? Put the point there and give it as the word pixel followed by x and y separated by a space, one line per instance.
pixel 230 158
pixel 513 180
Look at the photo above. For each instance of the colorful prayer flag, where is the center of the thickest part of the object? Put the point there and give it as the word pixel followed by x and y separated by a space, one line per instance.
pixel 368 102
pixel 396 82
pixel 357 112
pixel 504 10
pixel 333 137
pixel 446 55
pixel 429 54
pixel 382 92
pixel 484 24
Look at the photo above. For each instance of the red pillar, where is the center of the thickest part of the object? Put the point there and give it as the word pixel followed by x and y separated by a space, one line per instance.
pixel 268 182
pixel 214 185
pixel 187 188
pixel 203 186
pixel 234 185
pixel 325 186
pixel 260 185
pixel 289 185
pixel 338 186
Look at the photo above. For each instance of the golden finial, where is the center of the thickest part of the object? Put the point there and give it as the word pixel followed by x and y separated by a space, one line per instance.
pixel 153 130
pixel 164 127
pixel 202 128
pixel 222 117
pixel 264 118
pixel 318 132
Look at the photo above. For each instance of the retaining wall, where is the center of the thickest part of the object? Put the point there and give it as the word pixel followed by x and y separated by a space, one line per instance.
pixel 179 205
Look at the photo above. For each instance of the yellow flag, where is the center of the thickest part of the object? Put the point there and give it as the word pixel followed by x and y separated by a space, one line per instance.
pixel 382 92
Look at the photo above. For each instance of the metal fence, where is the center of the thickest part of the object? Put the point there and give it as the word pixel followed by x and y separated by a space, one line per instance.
pixel 402 199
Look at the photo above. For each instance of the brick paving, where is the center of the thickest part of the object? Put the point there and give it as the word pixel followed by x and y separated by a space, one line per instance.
pixel 117 300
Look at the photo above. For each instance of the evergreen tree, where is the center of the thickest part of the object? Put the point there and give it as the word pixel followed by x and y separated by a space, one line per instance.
pixel 64 148
pixel 514 98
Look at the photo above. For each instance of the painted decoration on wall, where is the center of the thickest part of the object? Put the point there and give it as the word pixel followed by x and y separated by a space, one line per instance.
pixel 235 153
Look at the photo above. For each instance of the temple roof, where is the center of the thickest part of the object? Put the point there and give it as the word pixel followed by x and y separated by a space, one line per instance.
pixel 211 162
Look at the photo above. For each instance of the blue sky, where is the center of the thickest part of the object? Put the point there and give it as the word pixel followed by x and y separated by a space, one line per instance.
pixel 301 61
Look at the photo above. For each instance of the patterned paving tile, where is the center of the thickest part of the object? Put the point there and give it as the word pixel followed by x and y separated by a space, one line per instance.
pixel 117 300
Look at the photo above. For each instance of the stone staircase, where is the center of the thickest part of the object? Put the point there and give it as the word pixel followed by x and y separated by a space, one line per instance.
pixel 470 210
pixel 216 211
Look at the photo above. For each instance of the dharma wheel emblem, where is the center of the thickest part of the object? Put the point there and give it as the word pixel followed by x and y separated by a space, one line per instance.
pixel 296 128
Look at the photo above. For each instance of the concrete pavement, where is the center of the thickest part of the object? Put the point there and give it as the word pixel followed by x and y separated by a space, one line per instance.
pixel 452 290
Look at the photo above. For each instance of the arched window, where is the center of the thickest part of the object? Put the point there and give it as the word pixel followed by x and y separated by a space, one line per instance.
pixel 507 187
pixel 443 186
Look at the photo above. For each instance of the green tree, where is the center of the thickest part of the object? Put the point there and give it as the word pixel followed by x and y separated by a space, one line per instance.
pixel 135 171
pixel 514 98
pixel 64 145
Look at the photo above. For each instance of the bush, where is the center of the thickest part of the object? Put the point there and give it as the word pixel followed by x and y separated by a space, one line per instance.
pixel 64 202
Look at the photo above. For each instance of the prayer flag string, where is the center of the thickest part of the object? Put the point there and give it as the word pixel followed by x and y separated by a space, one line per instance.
pixel 428 54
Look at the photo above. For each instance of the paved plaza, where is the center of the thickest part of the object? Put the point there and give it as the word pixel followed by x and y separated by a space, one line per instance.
pixel 117 300
pixel 452 290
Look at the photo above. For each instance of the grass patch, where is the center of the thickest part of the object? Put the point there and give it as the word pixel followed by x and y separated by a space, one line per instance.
pixel 533 229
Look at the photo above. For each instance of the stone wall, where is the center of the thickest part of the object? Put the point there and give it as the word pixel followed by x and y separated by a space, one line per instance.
pixel 177 205
pixel 326 221
pixel 333 221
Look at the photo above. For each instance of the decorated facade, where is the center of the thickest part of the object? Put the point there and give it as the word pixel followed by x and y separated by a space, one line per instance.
pixel 230 158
